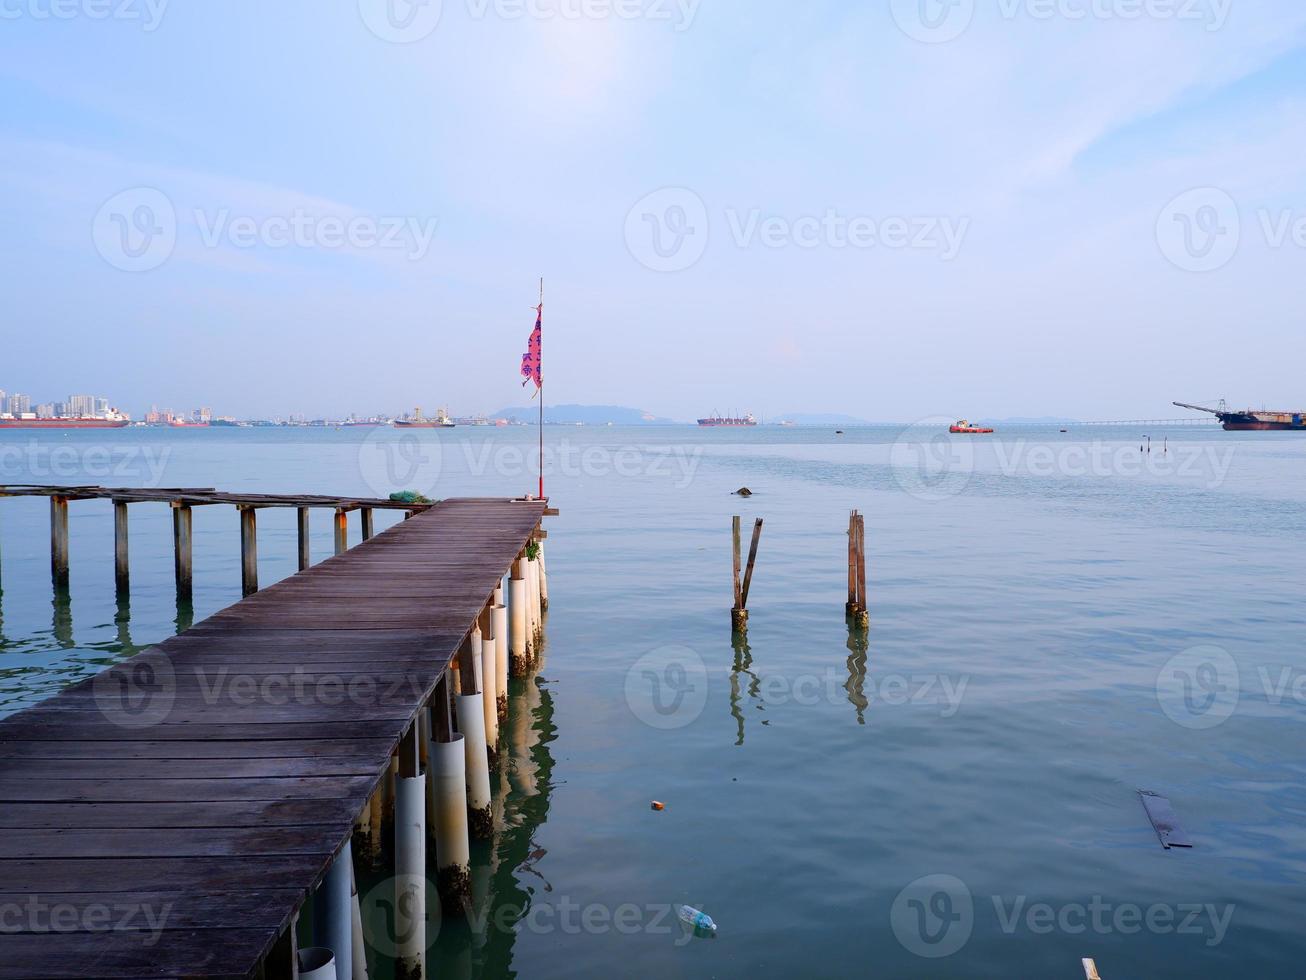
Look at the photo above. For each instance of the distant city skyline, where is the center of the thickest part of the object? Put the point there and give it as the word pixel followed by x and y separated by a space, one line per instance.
pixel 832 209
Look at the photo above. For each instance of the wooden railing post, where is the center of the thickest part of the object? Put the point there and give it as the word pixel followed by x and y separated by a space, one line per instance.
pixel 121 564
pixel 59 541
pixel 181 548
pixel 304 555
pixel 248 550
pixel 342 530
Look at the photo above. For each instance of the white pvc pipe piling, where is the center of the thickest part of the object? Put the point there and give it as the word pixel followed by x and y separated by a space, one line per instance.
pixel 410 877
pixel 471 723
pixel 517 624
pixel 316 963
pixel 333 926
pixel 544 582
pixel 490 693
pixel 500 615
pixel 452 851
pixel 356 914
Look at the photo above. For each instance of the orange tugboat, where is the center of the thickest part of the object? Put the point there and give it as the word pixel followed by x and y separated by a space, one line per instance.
pixel 964 427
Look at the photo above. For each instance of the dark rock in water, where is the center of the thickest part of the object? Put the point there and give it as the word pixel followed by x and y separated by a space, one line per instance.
pixel 743 492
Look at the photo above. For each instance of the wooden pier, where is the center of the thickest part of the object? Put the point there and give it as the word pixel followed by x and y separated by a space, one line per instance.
pixel 171 816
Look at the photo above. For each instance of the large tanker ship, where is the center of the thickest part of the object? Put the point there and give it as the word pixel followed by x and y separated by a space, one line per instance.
pixel 1253 421
pixel 64 422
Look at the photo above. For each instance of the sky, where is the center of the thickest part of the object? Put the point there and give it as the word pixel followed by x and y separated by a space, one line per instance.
pixel 895 209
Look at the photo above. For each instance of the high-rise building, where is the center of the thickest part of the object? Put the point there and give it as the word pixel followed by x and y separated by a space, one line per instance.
pixel 45 411
pixel 81 405
pixel 101 406
pixel 18 404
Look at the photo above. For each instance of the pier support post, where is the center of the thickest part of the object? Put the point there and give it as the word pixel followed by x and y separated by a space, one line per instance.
pixel 499 616
pixel 359 943
pixel 342 530
pixel 59 541
pixel 121 564
pixel 517 625
pixel 333 917
pixel 367 830
pixel 182 550
pixel 248 551
pixel 305 556
pixel 365 515
pixel 410 862
pixel 449 784
pixel 533 609
pixel 544 582
pixel 490 688
pixel 471 722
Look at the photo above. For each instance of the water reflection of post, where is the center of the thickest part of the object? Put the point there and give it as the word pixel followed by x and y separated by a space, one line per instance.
pixel 856 683
pixel 743 665
pixel 62 622
pixel 122 619
pixel 521 808
pixel 185 615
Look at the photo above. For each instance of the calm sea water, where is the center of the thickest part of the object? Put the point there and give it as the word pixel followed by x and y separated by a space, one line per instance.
pixel 1058 621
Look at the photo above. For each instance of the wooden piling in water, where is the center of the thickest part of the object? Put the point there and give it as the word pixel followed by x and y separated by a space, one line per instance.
pixel 305 553
pixel 471 723
pixel 248 550
pixel 365 517
pixel 121 563
pixel 59 541
pixel 182 560
pixel 739 613
pixel 856 609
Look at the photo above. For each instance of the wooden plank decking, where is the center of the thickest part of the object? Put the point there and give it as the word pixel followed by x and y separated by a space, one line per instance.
pixel 168 817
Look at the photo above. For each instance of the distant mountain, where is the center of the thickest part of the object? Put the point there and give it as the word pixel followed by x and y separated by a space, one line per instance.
pixel 806 418
pixel 589 414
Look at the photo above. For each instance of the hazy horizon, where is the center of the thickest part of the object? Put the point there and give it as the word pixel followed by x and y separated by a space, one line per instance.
pixel 292 208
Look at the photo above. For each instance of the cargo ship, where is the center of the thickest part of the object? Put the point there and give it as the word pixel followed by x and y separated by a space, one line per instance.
pixel 66 422
pixel 1252 421
pixel 441 421
pixel 187 424
pixel 963 427
pixel 718 420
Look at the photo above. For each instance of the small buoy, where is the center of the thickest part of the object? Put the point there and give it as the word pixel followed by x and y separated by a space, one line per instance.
pixel 658 806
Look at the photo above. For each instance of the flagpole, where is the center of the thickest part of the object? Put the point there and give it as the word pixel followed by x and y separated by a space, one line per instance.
pixel 541 389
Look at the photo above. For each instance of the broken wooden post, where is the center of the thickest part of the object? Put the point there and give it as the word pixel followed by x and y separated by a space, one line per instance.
pixel 181 549
pixel 856 609
pixel 121 565
pixel 739 614
pixel 59 541
pixel 342 530
pixel 304 547
pixel 248 550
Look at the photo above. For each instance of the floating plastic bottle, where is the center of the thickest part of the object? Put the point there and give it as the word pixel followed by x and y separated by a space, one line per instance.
pixel 696 919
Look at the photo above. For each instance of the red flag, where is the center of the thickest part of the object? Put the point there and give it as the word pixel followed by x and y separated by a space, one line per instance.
pixel 532 360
